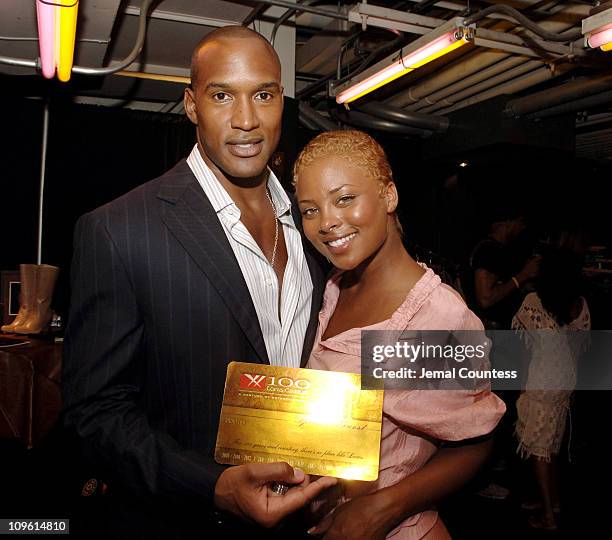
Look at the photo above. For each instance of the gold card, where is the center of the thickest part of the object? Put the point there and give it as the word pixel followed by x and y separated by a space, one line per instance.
pixel 319 421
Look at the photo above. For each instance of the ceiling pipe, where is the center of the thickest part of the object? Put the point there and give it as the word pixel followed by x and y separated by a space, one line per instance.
pixel 456 88
pixel 458 6
pixel 485 84
pixel 518 84
pixel 285 17
pixel 393 114
pixel 362 120
pixel 308 123
pixel 312 116
pixel 559 95
pixel 446 77
pixel 582 104
pixel 137 49
pixel 306 9
pixel 524 21
pixel 255 12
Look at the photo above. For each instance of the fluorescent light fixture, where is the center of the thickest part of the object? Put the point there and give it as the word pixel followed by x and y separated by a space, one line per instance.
pixel 56 36
pixel 66 36
pixel 435 44
pixel 45 13
pixel 597 30
pixel 600 39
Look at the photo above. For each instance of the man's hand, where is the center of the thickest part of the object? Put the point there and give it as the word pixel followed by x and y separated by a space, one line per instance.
pixel 362 518
pixel 530 270
pixel 245 491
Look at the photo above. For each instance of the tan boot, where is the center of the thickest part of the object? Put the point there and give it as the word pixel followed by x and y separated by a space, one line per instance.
pixel 41 313
pixel 28 274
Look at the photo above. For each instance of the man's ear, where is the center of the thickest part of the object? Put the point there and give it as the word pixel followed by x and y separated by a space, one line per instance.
pixel 190 105
pixel 391 196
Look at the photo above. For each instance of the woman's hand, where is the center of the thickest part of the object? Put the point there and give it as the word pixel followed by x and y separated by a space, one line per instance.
pixel 373 516
pixel 362 518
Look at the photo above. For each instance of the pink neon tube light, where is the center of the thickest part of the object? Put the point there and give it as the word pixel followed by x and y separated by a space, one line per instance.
pixel 600 38
pixel 46 37
pixel 400 66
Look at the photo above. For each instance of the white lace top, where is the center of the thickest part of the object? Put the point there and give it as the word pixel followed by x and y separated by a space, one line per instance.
pixel 554 349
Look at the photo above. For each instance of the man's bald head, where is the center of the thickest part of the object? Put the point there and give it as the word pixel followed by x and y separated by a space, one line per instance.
pixel 237 36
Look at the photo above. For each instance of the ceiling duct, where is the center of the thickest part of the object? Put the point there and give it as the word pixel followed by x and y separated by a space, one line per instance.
pixel 365 121
pixel 394 114
pixel 556 96
pixel 313 120
pixel 583 104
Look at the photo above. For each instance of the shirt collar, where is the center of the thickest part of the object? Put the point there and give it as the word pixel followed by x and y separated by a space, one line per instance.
pixel 220 198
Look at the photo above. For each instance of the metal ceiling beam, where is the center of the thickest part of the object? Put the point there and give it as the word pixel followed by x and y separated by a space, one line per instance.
pixel 183 17
pixel 366 14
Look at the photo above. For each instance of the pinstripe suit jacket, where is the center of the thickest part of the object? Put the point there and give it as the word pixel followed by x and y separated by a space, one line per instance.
pixel 159 308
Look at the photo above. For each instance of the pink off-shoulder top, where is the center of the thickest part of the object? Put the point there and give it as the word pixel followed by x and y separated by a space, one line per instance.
pixel 438 414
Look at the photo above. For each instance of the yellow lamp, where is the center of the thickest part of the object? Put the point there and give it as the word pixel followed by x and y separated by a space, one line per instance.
pixel 65 37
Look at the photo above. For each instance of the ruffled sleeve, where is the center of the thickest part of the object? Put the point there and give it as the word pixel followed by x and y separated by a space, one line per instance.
pixel 448 415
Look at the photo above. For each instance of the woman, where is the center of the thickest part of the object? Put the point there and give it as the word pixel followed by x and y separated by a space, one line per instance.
pixel 543 320
pixel 348 202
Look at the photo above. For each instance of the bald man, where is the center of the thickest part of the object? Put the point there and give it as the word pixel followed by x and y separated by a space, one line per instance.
pixel 172 281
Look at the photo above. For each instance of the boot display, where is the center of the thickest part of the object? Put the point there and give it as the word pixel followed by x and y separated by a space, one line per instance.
pixel 40 313
pixel 28 275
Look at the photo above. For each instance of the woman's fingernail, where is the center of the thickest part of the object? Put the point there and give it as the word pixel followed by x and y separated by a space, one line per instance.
pixel 298 474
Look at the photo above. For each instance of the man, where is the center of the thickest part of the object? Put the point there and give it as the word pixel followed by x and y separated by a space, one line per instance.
pixel 170 283
pixel 497 280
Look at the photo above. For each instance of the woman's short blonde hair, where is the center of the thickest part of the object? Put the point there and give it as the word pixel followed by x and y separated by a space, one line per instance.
pixel 358 148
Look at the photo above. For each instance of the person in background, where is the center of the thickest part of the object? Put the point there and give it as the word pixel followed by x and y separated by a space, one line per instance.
pixel 497 279
pixel 546 321
pixel 171 282
pixel 433 441
pixel 498 282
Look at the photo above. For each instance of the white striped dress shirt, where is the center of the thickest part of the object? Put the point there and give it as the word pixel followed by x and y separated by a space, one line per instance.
pixel 284 338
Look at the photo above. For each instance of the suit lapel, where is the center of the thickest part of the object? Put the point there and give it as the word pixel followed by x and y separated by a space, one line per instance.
pixel 192 220
pixel 318 287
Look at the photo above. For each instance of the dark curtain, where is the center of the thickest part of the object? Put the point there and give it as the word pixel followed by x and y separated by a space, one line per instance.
pixel 94 154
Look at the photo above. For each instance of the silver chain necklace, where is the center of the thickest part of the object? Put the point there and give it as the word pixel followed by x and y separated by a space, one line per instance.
pixel 275 228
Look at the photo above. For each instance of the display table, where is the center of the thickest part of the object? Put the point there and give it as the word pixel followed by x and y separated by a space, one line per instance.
pixel 30 396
